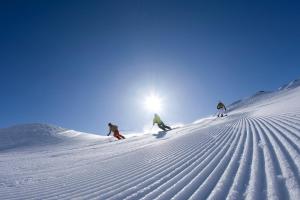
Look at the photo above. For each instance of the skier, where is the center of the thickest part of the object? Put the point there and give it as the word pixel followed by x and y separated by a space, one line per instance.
pixel 114 129
pixel 161 125
pixel 221 109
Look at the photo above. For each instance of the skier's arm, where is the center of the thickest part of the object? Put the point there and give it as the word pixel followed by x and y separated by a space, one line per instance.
pixel 109 132
pixel 225 107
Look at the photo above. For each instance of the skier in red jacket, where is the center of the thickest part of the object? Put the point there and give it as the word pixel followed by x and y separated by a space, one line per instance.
pixel 114 129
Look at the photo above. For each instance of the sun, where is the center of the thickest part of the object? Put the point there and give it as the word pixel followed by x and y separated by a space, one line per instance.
pixel 153 103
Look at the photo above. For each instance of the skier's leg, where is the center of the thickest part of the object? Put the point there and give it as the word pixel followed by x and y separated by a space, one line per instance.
pixel 161 126
pixel 117 135
pixel 122 136
pixel 168 127
pixel 165 126
pixel 222 110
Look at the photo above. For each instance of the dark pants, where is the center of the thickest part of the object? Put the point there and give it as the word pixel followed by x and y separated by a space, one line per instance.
pixel 221 112
pixel 163 126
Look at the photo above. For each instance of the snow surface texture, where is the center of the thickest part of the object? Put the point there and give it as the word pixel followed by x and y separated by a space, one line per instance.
pixel 253 153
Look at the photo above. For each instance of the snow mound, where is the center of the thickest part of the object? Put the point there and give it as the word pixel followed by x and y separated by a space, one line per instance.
pixel 37 134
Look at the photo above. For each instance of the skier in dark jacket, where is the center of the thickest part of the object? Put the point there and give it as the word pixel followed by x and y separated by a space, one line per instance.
pixel 221 109
pixel 114 129
pixel 160 123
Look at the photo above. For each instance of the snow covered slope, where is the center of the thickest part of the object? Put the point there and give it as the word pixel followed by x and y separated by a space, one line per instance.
pixel 254 153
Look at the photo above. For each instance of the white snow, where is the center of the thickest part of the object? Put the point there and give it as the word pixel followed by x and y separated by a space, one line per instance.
pixel 253 153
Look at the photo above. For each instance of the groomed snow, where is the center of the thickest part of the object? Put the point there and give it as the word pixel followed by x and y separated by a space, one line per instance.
pixel 253 153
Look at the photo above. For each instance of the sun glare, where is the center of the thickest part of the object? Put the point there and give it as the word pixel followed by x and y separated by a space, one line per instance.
pixel 153 103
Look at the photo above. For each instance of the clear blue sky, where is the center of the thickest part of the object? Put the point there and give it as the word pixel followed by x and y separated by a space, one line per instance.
pixel 82 64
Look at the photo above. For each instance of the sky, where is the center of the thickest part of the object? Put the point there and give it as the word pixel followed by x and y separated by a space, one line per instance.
pixel 82 64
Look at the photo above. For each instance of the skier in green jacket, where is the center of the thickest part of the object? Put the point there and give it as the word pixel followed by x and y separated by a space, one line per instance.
pixel 221 109
pixel 160 123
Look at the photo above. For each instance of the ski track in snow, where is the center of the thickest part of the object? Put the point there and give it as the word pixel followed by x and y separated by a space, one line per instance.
pixel 247 155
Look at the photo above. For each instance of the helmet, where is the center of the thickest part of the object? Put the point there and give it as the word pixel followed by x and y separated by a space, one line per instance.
pixel 109 124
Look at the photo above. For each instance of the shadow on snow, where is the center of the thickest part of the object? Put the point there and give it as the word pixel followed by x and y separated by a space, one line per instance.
pixel 160 134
